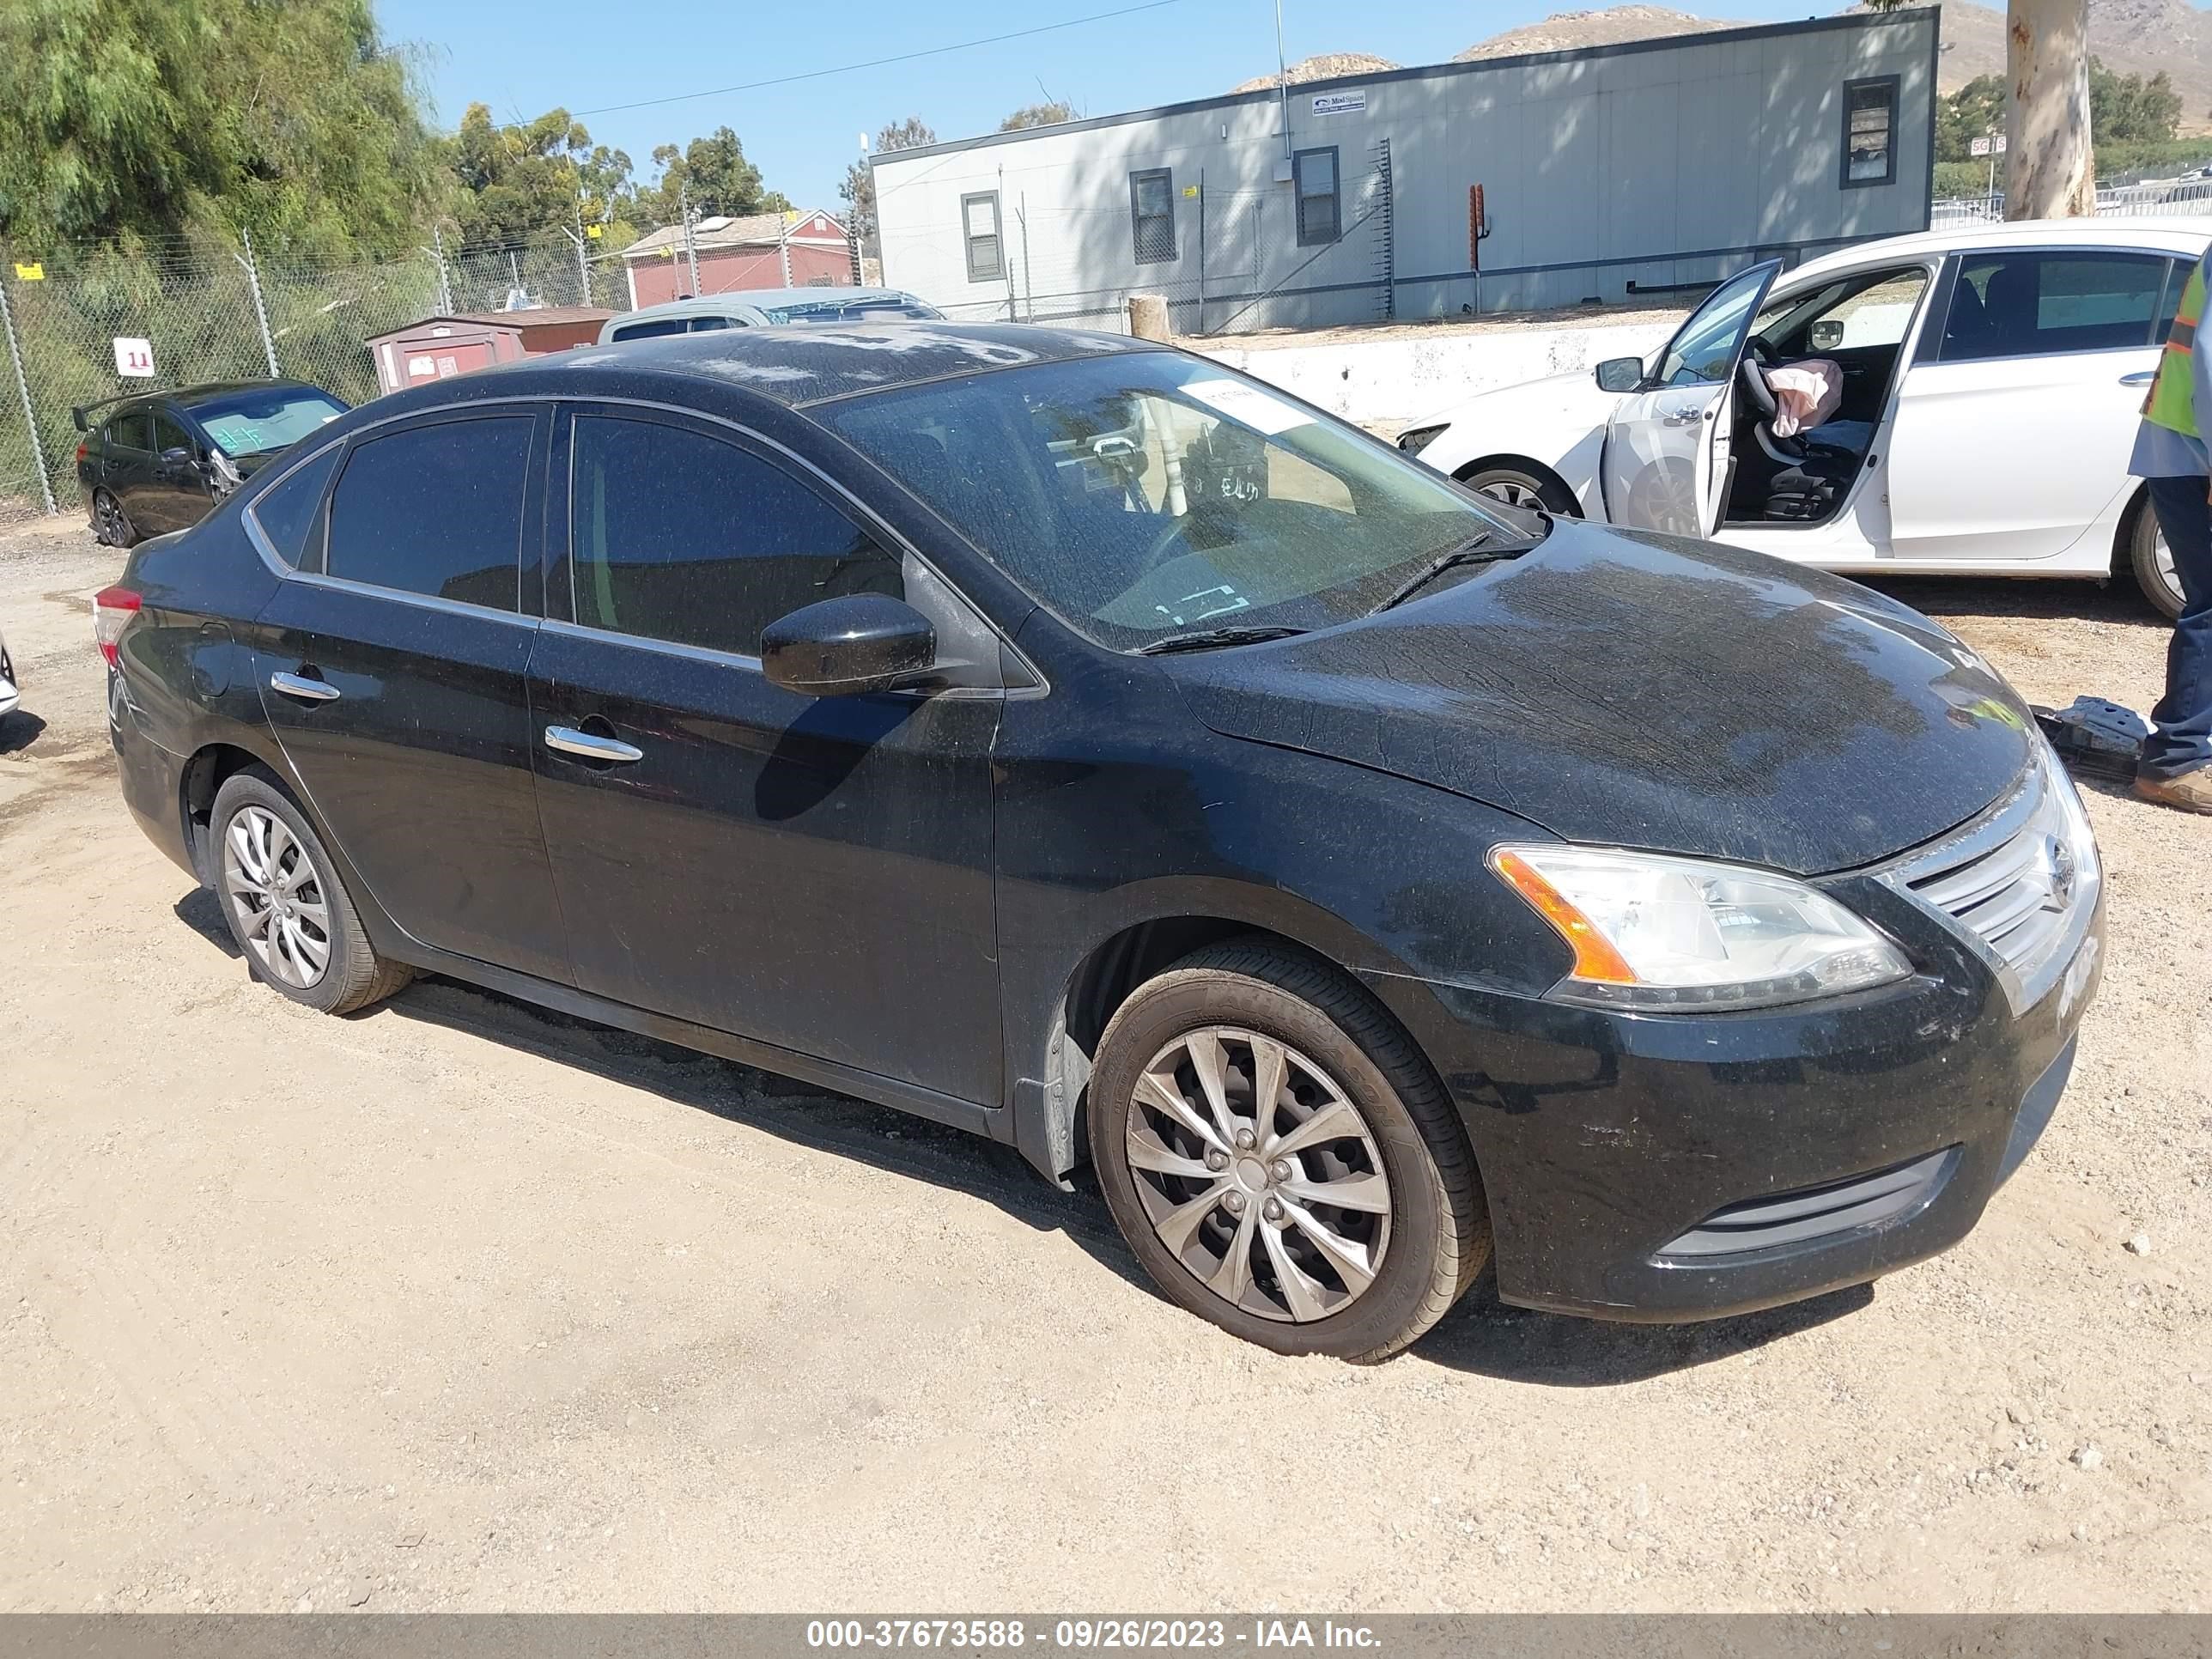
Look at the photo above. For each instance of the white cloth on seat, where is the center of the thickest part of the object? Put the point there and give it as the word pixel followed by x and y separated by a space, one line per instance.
pixel 1805 393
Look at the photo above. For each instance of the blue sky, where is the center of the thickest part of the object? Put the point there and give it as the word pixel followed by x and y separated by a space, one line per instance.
pixel 524 59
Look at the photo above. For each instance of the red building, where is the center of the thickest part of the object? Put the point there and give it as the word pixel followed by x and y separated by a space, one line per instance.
pixel 439 348
pixel 763 250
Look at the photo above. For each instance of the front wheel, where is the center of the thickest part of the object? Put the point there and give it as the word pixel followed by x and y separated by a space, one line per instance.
pixel 2154 562
pixel 1518 486
pixel 1281 1159
pixel 288 911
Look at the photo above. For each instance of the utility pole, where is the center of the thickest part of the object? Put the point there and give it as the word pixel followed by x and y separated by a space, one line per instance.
pixel 690 245
pixel 583 256
pixel 1283 79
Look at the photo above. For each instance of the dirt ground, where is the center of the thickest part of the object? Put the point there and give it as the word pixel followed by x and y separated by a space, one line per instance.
pixel 457 1304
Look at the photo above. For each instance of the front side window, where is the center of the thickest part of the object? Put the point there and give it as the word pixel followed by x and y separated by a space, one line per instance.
pixel 435 510
pixel 1704 351
pixel 1865 309
pixel 1146 493
pixel 256 423
pixel 290 512
pixel 2029 304
pixel 169 433
pixel 1870 132
pixel 1313 174
pixel 681 537
pixel 979 226
pixel 1152 213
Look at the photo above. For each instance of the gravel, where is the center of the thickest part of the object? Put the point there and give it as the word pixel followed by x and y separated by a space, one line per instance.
pixel 465 1305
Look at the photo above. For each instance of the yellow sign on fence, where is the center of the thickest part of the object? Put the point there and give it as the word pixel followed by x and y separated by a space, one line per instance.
pixel 594 231
pixel 33 272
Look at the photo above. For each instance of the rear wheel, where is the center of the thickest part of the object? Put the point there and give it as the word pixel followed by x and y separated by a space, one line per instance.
pixel 2154 562
pixel 1280 1158
pixel 111 525
pixel 1521 487
pixel 289 913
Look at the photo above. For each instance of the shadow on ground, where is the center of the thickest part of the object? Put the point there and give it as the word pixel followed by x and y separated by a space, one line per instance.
pixel 2044 598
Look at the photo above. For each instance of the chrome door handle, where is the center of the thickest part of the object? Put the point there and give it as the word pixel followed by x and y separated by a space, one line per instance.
pixel 589 745
pixel 307 690
pixel 2141 377
pixel 1682 418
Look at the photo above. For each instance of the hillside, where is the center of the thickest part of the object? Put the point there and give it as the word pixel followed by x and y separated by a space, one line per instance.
pixel 1322 66
pixel 1576 31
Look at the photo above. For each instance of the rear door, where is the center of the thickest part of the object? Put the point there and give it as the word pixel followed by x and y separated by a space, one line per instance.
pixel 1667 446
pixel 2014 422
pixel 127 466
pixel 810 872
pixel 391 665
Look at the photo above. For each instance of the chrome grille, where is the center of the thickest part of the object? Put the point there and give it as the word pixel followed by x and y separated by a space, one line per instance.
pixel 2021 881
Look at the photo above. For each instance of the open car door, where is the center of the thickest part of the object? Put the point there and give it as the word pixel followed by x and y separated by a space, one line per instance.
pixel 1666 448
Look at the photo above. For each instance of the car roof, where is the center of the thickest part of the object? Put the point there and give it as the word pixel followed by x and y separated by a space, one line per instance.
pixel 759 299
pixel 190 397
pixel 795 367
pixel 2153 233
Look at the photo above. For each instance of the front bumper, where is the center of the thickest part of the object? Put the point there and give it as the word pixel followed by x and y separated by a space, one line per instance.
pixel 1654 1167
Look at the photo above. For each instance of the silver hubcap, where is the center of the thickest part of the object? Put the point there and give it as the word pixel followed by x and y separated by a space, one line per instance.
pixel 2164 556
pixel 1259 1174
pixel 277 895
pixel 1511 491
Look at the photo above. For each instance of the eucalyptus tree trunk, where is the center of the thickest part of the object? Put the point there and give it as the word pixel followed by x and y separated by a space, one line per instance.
pixel 2049 171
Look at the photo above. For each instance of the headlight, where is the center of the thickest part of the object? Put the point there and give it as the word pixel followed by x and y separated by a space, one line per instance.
pixel 1417 439
pixel 1670 934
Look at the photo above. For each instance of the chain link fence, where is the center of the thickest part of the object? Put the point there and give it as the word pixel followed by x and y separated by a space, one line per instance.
pixel 211 309
pixel 2190 197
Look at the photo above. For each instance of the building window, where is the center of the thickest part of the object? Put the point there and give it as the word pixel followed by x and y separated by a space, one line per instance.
pixel 1870 132
pixel 1152 214
pixel 1313 174
pixel 979 224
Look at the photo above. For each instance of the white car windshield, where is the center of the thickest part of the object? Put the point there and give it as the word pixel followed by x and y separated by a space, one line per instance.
pixel 1148 494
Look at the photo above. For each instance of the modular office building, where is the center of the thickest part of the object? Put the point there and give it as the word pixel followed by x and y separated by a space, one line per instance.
pixel 1650 168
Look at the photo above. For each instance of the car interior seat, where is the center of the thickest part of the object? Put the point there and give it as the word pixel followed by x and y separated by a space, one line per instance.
pixel 1807 475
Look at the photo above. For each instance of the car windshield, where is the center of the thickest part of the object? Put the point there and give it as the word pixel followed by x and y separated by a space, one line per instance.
pixel 259 421
pixel 1142 495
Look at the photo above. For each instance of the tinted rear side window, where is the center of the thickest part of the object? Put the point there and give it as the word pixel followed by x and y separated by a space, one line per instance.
pixel 651 331
pixel 435 510
pixel 288 513
pixel 129 431
pixel 2028 304
pixel 683 537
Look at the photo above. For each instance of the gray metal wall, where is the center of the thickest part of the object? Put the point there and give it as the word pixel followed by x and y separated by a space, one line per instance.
pixel 1662 164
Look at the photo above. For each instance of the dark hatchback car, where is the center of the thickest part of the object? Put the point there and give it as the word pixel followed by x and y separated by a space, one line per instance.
pixel 1076 742
pixel 157 463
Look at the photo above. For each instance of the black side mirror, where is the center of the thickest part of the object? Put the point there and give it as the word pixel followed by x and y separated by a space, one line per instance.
pixel 178 459
pixel 1620 374
pixel 848 647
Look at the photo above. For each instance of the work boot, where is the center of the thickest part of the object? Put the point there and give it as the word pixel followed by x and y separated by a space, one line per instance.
pixel 2191 791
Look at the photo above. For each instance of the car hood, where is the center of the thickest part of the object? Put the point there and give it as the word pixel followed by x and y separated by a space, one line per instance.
pixel 1641 690
pixel 1574 399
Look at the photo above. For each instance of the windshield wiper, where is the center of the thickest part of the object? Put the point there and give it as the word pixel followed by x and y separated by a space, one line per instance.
pixel 1473 550
pixel 1205 639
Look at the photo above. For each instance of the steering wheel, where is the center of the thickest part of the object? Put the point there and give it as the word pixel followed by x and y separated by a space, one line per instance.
pixel 1758 349
pixel 1751 376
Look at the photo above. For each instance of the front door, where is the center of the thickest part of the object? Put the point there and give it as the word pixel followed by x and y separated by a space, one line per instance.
pixel 813 874
pixel 1666 447
pixel 178 497
pixel 2012 433
pixel 393 670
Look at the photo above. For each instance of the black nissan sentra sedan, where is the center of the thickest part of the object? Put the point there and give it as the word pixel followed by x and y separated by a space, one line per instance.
pixel 1078 742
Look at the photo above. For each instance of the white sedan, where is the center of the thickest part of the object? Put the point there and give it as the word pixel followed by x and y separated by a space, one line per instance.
pixel 10 693
pixel 1992 378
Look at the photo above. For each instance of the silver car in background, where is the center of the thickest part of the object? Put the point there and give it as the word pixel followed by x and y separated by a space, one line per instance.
pixel 11 691
pixel 768 308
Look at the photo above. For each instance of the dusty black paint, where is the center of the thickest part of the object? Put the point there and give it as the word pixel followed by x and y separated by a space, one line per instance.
pixel 894 893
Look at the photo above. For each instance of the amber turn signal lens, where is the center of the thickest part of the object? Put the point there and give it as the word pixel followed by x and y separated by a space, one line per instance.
pixel 1594 957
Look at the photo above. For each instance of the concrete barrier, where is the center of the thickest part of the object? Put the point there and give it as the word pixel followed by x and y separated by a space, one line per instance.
pixel 1391 381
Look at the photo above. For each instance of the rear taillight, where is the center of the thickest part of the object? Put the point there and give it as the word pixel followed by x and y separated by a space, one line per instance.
pixel 80 448
pixel 113 608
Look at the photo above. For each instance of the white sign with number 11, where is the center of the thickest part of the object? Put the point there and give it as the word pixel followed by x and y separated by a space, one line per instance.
pixel 134 358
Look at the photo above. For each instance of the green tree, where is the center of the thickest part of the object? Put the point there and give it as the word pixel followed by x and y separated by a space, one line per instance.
pixel 859 188
pixel 291 118
pixel 1049 114
pixel 718 178
pixel 2132 108
pixel 1974 111
pixel 517 180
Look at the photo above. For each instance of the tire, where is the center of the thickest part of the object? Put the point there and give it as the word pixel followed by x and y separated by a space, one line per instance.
pixel 2153 566
pixel 255 826
pixel 1340 1048
pixel 1519 486
pixel 111 525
